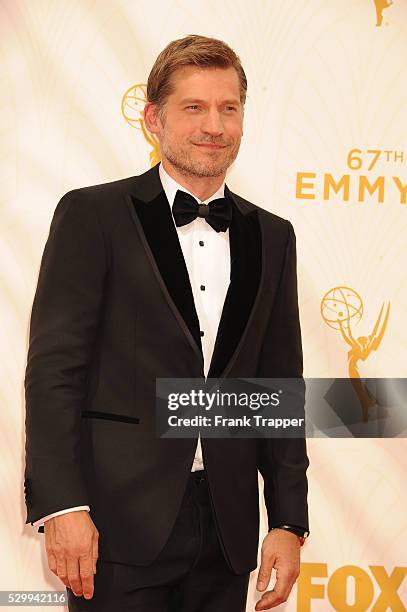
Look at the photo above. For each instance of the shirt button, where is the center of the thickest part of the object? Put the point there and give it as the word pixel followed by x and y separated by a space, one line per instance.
pixel 202 333
pixel 201 243
pixel 202 287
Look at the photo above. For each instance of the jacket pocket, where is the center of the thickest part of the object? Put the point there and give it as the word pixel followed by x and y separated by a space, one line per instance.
pixel 110 416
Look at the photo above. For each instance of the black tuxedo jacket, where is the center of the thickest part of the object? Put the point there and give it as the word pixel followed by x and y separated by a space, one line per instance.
pixel 112 311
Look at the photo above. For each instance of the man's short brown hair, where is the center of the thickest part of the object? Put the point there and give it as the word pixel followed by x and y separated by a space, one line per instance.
pixel 193 50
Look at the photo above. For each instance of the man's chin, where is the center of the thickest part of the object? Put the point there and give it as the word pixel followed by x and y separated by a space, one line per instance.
pixel 199 163
pixel 209 172
pixel 202 169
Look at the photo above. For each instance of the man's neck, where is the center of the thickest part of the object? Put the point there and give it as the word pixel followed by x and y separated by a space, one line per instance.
pixel 201 187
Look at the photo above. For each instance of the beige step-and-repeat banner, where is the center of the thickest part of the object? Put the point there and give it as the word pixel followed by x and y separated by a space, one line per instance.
pixel 325 146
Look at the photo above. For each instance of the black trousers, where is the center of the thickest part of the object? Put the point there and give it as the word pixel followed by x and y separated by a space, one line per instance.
pixel 191 573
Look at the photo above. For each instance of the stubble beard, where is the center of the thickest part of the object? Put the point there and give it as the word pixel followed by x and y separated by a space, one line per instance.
pixel 188 166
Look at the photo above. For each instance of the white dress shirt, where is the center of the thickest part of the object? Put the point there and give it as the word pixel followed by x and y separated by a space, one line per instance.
pixel 207 257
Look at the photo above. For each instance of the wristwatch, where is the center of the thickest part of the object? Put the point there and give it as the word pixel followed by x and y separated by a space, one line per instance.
pixel 299 531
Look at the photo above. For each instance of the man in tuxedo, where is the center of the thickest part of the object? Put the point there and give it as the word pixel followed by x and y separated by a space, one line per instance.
pixel 168 274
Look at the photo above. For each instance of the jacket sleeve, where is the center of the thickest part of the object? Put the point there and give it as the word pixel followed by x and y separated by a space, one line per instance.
pixel 283 462
pixel 64 319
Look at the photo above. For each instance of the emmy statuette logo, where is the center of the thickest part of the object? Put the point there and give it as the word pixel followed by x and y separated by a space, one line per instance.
pixel 133 111
pixel 380 5
pixel 342 309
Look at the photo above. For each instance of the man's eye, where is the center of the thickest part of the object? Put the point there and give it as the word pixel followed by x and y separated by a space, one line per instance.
pixel 231 108
pixel 193 106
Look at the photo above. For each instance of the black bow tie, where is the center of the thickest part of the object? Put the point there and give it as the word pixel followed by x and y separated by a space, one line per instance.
pixel 218 213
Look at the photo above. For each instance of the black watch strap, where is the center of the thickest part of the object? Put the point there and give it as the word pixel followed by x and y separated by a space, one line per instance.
pixel 299 531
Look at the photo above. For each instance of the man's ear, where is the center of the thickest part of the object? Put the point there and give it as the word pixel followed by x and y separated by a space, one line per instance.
pixel 151 118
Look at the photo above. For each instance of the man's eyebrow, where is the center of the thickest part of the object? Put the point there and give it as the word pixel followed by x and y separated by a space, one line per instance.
pixel 233 101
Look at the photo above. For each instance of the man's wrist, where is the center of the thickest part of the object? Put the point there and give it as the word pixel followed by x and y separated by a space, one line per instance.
pixel 298 531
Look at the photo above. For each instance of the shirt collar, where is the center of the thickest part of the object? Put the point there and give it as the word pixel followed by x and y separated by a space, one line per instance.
pixel 171 187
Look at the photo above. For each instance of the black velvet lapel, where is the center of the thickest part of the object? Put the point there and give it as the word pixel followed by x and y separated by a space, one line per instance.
pixel 154 213
pixel 246 262
pixel 159 229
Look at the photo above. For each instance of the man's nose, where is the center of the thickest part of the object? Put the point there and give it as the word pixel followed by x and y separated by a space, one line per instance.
pixel 212 123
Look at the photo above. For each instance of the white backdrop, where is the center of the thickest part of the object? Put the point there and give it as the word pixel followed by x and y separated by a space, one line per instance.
pixel 324 80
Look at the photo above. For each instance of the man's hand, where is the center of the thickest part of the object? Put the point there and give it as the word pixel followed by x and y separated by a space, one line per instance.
pixel 280 550
pixel 71 542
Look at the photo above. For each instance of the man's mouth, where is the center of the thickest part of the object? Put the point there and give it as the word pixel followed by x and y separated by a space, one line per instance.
pixel 209 145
